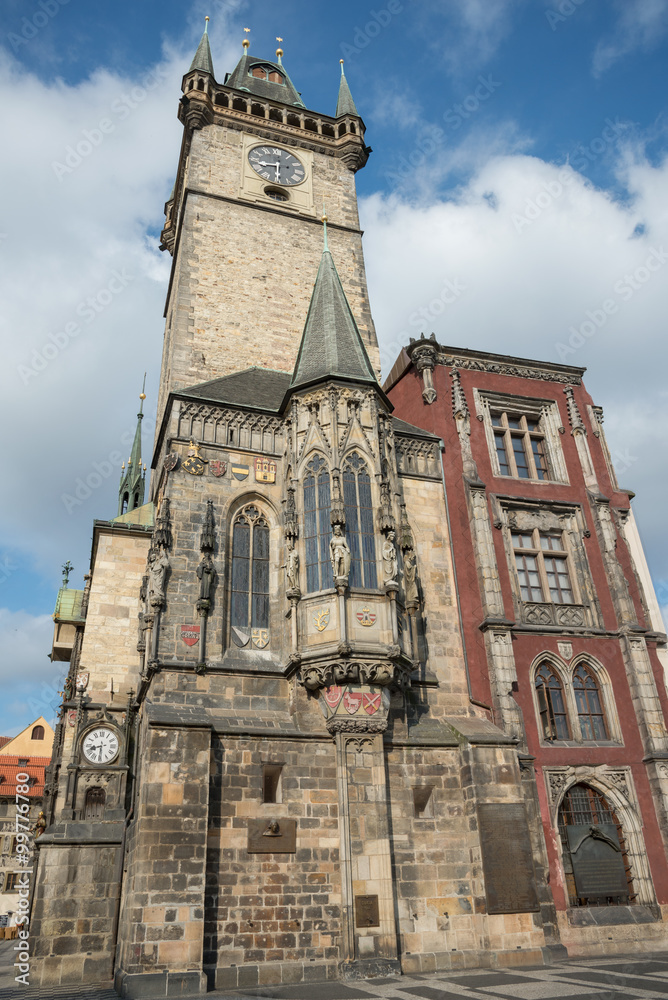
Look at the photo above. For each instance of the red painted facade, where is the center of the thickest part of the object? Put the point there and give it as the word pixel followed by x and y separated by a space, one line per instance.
pixel 405 389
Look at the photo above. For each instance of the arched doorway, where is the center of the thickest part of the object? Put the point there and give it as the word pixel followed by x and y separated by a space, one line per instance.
pixel 596 864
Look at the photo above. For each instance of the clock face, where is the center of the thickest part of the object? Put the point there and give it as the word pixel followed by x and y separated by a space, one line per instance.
pixel 276 165
pixel 100 746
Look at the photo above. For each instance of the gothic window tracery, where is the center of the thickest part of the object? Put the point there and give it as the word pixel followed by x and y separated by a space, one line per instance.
pixel 317 527
pixel 588 700
pixel 359 522
pixel 250 570
pixel 553 715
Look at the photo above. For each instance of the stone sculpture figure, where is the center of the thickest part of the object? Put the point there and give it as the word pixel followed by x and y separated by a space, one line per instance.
pixel 339 553
pixel 40 825
pixel 292 570
pixel 158 564
pixel 410 576
pixel 389 553
pixel 206 574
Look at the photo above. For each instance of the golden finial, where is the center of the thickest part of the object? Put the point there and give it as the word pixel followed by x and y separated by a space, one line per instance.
pixel 279 51
pixel 142 395
pixel 246 41
pixel 206 24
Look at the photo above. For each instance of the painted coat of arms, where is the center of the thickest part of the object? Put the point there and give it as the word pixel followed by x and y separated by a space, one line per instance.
pixel 352 701
pixel 333 696
pixel 371 703
pixel 260 637
pixel 321 618
pixel 366 617
pixel 218 468
pixel 190 634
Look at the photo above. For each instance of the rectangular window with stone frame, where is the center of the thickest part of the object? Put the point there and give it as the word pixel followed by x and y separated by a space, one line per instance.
pixel 523 436
pixel 551 580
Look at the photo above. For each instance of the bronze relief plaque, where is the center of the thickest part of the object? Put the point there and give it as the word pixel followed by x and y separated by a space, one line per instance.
pixel 366 911
pixel 507 860
pixel 598 863
pixel 272 836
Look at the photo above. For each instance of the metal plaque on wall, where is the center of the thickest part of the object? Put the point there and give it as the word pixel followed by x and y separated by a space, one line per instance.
pixel 598 864
pixel 507 861
pixel 366 911
pixel 272 836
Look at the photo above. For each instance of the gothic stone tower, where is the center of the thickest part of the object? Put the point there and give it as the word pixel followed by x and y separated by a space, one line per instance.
pixel 269 696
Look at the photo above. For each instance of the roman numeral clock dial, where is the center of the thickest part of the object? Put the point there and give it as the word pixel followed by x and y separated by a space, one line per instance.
pixel 276 165
pixel 100 746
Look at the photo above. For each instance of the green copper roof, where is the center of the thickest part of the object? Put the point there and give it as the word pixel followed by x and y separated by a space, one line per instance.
pixel 68 605
pixel 345 104
pixel 203 60
pixel 240 79
pixel 144 515
pixel 331 343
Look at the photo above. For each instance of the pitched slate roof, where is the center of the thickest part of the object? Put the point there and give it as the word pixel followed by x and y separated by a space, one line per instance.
pixel 203 60
pixel 331 345
pixel 345 104
pixel 253 388
pixel 240 79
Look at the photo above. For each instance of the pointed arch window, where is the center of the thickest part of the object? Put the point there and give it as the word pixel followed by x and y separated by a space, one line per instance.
pixel 595 858
pixel 588 700
pixel 553 716
pixel 317 526
pixel 359 522
pixel 250 570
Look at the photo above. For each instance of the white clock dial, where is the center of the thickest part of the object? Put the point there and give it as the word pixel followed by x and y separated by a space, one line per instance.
pixel 276 165
pixel 100 745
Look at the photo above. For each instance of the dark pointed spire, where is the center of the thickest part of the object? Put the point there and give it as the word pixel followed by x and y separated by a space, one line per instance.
pixel 345 104
pixel 203 60
pixel 133 479
pixel 331 345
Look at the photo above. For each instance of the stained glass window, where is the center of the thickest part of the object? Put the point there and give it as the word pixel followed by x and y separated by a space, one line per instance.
pixel 317 526
pixel 359 523
pixel 250 570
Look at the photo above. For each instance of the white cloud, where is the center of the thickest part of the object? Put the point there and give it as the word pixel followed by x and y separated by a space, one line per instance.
pixel 30 682
pixel 524 290
pixel 86 179
pixel 641 24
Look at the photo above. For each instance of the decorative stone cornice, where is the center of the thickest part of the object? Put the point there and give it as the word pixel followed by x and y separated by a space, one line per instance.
pixel 394 673
pixel 339 724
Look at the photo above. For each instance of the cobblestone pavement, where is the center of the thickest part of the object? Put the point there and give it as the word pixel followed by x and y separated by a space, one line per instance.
pixel 631 978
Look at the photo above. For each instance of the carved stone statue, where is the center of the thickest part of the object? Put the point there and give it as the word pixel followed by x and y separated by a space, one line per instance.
pixel 158 564
pixel 339 553
pixel 292 570
pixel 273 829
pixel 410 576
pixel 68 689
pixel 206 574
pixel 390 565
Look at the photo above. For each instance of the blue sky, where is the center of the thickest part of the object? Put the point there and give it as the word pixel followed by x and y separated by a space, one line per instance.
pixel 475 109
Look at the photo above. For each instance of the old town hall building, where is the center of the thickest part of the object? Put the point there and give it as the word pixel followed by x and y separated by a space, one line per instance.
pixel 372 682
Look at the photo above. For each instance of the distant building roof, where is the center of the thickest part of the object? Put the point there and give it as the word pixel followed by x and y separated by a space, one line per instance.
pixel 11 765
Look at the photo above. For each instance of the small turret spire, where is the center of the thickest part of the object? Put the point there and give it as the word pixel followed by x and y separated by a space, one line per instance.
pixel 345 104
pixel 203 61
pixel 133 479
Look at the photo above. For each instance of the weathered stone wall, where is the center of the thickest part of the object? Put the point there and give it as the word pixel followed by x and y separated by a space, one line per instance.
pixel 244 274
pixel 72 923
pixel 441 643
pixel 162 925
pixel 272 918
pixel 109 650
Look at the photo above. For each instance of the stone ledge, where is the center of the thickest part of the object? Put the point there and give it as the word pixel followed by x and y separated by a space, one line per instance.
pixel 598 916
